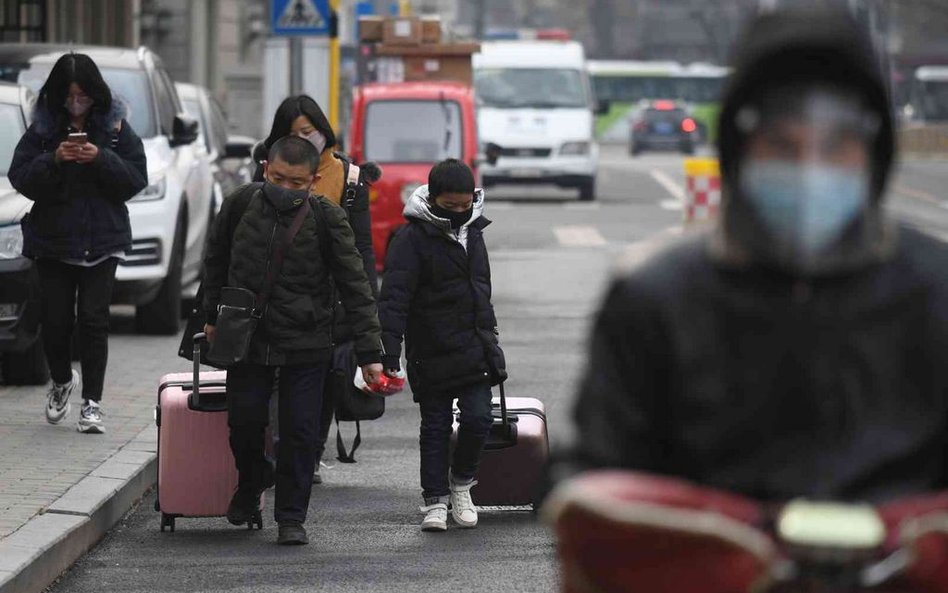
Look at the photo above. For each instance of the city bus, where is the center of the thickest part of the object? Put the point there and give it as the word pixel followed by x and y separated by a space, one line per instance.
pixel 624 84
pixel 930 93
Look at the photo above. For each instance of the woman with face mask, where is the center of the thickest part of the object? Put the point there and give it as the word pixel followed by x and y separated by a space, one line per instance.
pixel 301 116
pixel 79 162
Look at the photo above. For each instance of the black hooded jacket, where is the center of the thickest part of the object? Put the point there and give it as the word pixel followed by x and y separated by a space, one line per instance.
pixel 711 364
pixel 79 210
pixel 437 295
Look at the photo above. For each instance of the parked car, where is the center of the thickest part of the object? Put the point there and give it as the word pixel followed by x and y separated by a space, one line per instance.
pixel 663 125
pixel 22 361
pixel 171 217
pixel 229 156
pixel 406 128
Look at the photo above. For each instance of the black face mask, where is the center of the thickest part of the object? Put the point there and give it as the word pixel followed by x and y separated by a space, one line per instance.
pixel 282 197
pixel 457 219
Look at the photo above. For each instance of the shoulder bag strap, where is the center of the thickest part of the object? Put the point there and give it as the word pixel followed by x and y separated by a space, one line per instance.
pixel 341 454
pixel 277 257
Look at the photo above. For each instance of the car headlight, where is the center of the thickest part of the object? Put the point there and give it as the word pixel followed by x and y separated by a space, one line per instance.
pixel 11 242
pixel 155 191
pixel 575 149
pixel 407 190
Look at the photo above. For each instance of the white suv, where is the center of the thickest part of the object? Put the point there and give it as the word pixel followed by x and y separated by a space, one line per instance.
pixel 171 217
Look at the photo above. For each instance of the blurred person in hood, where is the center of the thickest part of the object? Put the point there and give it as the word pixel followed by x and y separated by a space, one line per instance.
pixel 798 350
pixel 437 296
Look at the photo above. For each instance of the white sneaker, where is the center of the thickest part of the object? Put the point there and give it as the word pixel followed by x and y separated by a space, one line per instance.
pixel 436 517
pixel 90 418
pixel 462 506
pixel 57 399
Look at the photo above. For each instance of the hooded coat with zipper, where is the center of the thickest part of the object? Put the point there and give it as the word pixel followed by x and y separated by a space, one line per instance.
pixel 437 295
pixel 296 327
pixel 715 363
pixel 79 210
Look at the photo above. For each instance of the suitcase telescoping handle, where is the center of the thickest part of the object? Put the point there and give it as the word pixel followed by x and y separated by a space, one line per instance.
pixel 196 390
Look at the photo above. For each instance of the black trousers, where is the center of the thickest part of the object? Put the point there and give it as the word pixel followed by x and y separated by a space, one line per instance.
pixel 249 387
pixel 437 419
pixel 63 287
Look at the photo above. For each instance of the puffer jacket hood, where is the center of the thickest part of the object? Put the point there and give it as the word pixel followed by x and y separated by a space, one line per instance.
pixel 47 124
pixel 805 47
pixel 418 208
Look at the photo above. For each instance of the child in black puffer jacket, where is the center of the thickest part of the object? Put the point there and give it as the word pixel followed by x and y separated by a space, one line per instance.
pixel 437 295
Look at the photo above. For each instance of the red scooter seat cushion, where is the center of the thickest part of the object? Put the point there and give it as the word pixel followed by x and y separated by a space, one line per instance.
pixel 623 531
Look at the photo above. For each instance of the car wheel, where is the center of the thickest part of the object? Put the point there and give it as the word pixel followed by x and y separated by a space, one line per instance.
pixel 162 316
pixel 26 368
pixel 587 191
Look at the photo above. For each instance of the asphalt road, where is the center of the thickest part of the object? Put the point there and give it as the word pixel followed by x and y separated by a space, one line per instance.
pixel 551 258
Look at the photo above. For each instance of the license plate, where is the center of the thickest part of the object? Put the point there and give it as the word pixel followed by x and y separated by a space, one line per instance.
pixel 7 311
pixel 525 173
pixel 664 128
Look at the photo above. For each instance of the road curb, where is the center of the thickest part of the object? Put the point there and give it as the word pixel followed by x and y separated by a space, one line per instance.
pixel 35 555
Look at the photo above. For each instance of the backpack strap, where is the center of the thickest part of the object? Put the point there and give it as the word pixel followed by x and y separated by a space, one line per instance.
pixel 322 228
pixel 353 181
pixel 242 202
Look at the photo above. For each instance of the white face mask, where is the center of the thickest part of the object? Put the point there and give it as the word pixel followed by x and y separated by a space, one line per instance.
pixel 77 107
pixel 317 140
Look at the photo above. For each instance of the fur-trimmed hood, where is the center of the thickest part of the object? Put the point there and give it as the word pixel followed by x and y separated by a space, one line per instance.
pixel 46 123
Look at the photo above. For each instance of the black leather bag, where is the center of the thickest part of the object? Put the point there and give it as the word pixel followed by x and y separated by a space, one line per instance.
pixel 237 319
pixel 351 404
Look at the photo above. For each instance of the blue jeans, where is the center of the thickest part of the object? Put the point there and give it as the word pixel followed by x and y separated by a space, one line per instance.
pixel 300 395
pixel 437 419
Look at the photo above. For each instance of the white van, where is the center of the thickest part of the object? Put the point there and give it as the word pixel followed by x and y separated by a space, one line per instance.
pixel 534 100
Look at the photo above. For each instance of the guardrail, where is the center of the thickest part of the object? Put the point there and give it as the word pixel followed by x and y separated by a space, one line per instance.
pixel 924 139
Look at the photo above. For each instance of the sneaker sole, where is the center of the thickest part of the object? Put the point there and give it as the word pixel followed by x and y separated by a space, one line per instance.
pixel 90 429
pixel 432 527
pixel 54 421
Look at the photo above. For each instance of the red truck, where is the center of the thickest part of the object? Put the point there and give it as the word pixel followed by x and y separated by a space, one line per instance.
pixel 407 127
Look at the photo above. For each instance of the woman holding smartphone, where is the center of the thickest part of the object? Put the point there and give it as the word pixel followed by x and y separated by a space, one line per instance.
pixel 79 162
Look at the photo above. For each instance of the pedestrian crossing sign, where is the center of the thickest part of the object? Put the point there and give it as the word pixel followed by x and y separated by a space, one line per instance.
pixel 300 17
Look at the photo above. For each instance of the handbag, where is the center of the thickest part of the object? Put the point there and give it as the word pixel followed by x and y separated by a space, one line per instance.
pixel 351 404
pixel 240 310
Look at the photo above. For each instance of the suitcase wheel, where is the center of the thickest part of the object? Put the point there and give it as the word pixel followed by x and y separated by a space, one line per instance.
pixel 167 521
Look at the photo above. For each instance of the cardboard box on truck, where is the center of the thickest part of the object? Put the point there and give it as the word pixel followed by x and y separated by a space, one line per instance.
pixel 402 31
pixel 418 69
pixel 371 29
pixel 431 29
pixel 442 61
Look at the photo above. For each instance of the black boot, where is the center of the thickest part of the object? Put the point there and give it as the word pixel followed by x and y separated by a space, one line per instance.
pixel 292 534
pixel 244 506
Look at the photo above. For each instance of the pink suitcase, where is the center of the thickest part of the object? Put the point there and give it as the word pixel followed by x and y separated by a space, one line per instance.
pixel 196 471
pixel 515 457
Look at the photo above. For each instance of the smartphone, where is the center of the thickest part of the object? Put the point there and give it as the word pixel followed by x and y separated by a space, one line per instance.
pixel 78 138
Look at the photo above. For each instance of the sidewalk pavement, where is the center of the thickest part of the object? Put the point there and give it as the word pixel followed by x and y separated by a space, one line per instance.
pixel 61 491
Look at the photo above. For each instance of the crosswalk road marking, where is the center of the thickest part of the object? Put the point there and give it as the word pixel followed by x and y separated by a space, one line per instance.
pixel 579 236
pixel 500 206
pixel 665 180
pixel 591 206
